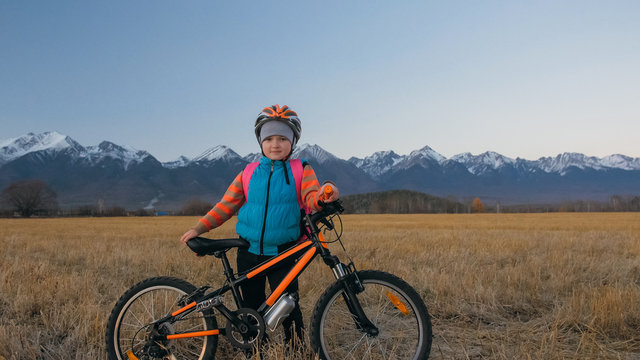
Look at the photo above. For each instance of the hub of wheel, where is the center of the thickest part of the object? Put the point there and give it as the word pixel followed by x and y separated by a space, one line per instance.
pixel 373 332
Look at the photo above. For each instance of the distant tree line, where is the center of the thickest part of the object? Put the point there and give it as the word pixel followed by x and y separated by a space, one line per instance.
pixel 98 211
pixel 29 198
pixel 400 202
pixel 616 203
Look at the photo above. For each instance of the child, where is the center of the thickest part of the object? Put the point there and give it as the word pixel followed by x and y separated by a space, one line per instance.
pixel 269 214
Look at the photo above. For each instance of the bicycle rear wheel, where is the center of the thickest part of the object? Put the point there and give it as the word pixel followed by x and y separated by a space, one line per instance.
pixel 150 300
pixel 393 306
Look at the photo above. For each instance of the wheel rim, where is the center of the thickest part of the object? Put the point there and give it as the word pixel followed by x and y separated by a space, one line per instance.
pixel 149 305
pixel 389 309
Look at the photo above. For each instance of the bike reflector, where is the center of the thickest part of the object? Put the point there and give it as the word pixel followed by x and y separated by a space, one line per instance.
pixel 398 304
pixel 130 355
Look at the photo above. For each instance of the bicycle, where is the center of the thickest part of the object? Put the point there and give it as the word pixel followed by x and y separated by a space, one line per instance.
pixel 362 315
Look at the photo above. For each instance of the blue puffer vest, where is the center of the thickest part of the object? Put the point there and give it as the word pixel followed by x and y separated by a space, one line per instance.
pixel 271 215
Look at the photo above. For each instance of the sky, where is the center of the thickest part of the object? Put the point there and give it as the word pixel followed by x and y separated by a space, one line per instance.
pixel 525 79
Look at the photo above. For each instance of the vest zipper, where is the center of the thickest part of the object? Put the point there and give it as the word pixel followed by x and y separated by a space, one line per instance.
pixel 266 206
pixel 286 174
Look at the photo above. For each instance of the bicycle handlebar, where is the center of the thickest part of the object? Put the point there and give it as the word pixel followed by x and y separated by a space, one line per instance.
pixel 328 209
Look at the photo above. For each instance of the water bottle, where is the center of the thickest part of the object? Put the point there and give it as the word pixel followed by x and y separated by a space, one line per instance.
pixel 279 311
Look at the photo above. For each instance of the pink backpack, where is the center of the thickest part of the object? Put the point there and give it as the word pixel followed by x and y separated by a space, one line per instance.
pixel 296 169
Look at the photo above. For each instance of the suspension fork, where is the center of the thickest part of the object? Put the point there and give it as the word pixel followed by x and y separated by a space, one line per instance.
pixel 351 286
pixel 347 278
pixel 350 283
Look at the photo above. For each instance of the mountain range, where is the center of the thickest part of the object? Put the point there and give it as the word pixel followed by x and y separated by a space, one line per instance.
pixel 119 175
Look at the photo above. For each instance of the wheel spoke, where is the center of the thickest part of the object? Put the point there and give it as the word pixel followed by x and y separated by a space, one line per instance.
pixel 154 299
pixel 147 309
pixel 356 345
pixel 400 331
pixel 153 312
pixel 137 319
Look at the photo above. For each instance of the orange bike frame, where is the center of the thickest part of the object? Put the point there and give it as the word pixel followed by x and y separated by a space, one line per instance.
pixel 304 260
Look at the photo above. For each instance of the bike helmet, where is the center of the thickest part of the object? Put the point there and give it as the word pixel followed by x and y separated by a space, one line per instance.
pixel 283 114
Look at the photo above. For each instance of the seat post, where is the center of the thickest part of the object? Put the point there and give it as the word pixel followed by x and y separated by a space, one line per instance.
pixel 228 273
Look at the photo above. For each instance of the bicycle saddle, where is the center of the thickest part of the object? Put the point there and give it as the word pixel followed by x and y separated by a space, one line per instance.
pixel 203 246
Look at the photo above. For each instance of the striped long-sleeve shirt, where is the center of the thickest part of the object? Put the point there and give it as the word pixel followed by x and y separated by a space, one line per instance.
pixel 234 198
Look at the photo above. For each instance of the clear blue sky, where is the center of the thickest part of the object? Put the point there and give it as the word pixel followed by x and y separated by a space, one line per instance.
pixel 523 78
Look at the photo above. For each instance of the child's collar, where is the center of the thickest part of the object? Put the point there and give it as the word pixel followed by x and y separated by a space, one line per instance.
pixel 266 160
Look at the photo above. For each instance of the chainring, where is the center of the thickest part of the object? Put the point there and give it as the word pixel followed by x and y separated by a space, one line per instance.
pixel 252 331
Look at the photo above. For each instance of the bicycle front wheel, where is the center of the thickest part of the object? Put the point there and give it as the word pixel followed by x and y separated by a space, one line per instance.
pixel 391 304
pixel 152 299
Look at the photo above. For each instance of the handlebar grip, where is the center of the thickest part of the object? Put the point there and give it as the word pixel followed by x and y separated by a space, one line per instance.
pixel 328 191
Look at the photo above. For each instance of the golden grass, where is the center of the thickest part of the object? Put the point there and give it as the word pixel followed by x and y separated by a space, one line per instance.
pixel 498 286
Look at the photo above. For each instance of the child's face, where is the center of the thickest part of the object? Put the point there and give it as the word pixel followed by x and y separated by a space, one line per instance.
pixel 276 147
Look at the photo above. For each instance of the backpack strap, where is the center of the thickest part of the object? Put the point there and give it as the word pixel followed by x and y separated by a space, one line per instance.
pixel 296 169
pixel 246 177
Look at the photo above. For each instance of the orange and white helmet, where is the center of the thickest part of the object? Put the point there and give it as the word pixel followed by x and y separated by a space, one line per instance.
pixel 282 114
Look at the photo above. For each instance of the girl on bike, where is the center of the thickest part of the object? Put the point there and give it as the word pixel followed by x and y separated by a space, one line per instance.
pixel 269 208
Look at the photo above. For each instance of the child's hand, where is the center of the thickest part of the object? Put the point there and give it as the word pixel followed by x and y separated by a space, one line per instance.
pixel 190 234
pixel 329 193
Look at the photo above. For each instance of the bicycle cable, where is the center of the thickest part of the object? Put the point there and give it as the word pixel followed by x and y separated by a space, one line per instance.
pixel 338 235
pixel 325 229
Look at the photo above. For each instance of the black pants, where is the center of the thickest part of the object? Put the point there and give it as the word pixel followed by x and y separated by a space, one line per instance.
pixel 253 290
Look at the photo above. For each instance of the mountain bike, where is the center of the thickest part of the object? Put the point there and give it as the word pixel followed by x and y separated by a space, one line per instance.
pixel 362 315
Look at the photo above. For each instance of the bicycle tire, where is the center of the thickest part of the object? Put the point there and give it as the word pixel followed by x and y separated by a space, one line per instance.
pixel 138 307
pixel 390 303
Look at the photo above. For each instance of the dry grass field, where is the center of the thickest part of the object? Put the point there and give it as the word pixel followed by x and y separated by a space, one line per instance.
pixel 498 286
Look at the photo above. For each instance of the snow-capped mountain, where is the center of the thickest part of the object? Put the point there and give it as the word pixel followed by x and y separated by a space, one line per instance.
pixel 224 153
pixel 13 148
pixel 216 153
pixel 253 157
pixel 427 153
pixel 182 161
pixel 133 178
pixel 487 161
pixel 315 152
pixel 302 151
pixel 383 162
pixel 53 143
pixel 561 163
pixel 423 157
pixel 107 150
pixel 375 165
pixel 618 161
pixel 378 163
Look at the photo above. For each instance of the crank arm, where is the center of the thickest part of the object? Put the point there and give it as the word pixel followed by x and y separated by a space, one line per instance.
pixel 231 317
